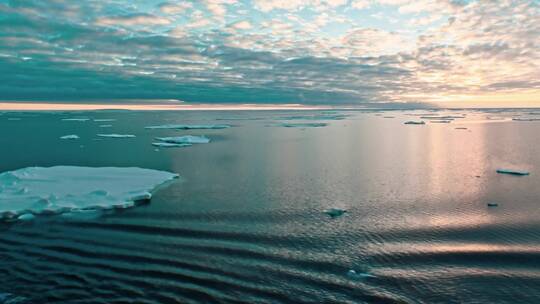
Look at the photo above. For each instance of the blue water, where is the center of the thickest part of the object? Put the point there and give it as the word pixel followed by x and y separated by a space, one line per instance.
pixel 245 222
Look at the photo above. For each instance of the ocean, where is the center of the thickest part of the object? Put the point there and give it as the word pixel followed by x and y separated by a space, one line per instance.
pixel 246 221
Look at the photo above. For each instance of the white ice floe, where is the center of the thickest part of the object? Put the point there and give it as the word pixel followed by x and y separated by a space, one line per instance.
pixel 104 120
pixel 105 126
pixel 187 139
pixel 303 125
pixel 170 145
pixel 188 127
pixel 61 189
pixel 76 119
pixel 71 136
pixel 116 135
pixel 413 122
pixel 512 172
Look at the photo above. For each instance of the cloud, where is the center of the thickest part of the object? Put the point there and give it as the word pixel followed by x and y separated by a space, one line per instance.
pixel 277 51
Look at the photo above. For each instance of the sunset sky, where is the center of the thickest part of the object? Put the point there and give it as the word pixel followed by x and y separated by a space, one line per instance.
pixel 263 51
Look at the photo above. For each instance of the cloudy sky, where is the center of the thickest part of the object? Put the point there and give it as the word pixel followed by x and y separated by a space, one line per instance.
pixel 271 51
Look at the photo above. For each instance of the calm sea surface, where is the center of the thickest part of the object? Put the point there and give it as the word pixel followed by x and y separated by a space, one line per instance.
pixel 245 222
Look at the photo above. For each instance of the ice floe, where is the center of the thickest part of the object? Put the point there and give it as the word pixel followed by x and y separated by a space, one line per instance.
pixel 526 119
pixel 512 172
pixel 303 125
pixel 414 122
pixel 104 120
pixel 105 126
pixel 71 136
pixel 335 212
pixel 188 127
pixel 116 135
pixel 61 189
pixel 186 139
pixel 76 119
pixel 322 116
pixel 170 145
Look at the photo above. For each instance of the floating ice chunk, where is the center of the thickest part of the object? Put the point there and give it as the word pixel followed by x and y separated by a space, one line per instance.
pixel 105 126
pixel 460 128
pixel 26 217
pixel 526 119
pixel 413 122
pixel 356 275
pixel 72 136
pixel 512 172
pixel 189 127
pixel 104 120
pixel 328 116
pixel 304 125
pixel 440 121
pixel 169 145
pixel 61 189
pixel 335 212
pixel 116 135
pixel 76 119
pixel 187 139
pixel 492 204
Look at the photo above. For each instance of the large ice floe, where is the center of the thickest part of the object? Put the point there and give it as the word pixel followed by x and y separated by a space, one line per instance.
pixel 63 189
pixel 188 127
pixel 186 139
pixel 116 135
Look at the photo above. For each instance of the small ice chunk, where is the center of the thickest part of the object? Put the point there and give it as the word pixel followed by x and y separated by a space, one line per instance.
pixel 492 204
pixel 76 119
pixel 303 125
pixel 512 172
pixel 188 127
pixel 105 126
pixel 460 128
pixel 169 145
pixel 526 119
pixel 321 116
pixel 186 139
pixel 62 189
pixel 104 120
pixel 440 121
pixel 335 212
pixel 356 275
pixel 116 135
pixel 414 122
pixel 71 136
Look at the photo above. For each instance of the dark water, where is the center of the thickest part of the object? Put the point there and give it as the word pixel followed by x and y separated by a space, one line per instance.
pixel 245 223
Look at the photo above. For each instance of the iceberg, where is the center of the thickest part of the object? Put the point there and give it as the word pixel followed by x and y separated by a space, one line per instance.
pixel 72 136
pixel 512 172
pixel 62 189
pixel 189 127
pixel 413 122
pixel 304 125
pixel 170 145
pixel 335 212
pixel 187 139
pixel 116 135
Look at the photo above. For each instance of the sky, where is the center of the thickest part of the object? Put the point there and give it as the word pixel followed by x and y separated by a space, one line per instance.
pixel 279 51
